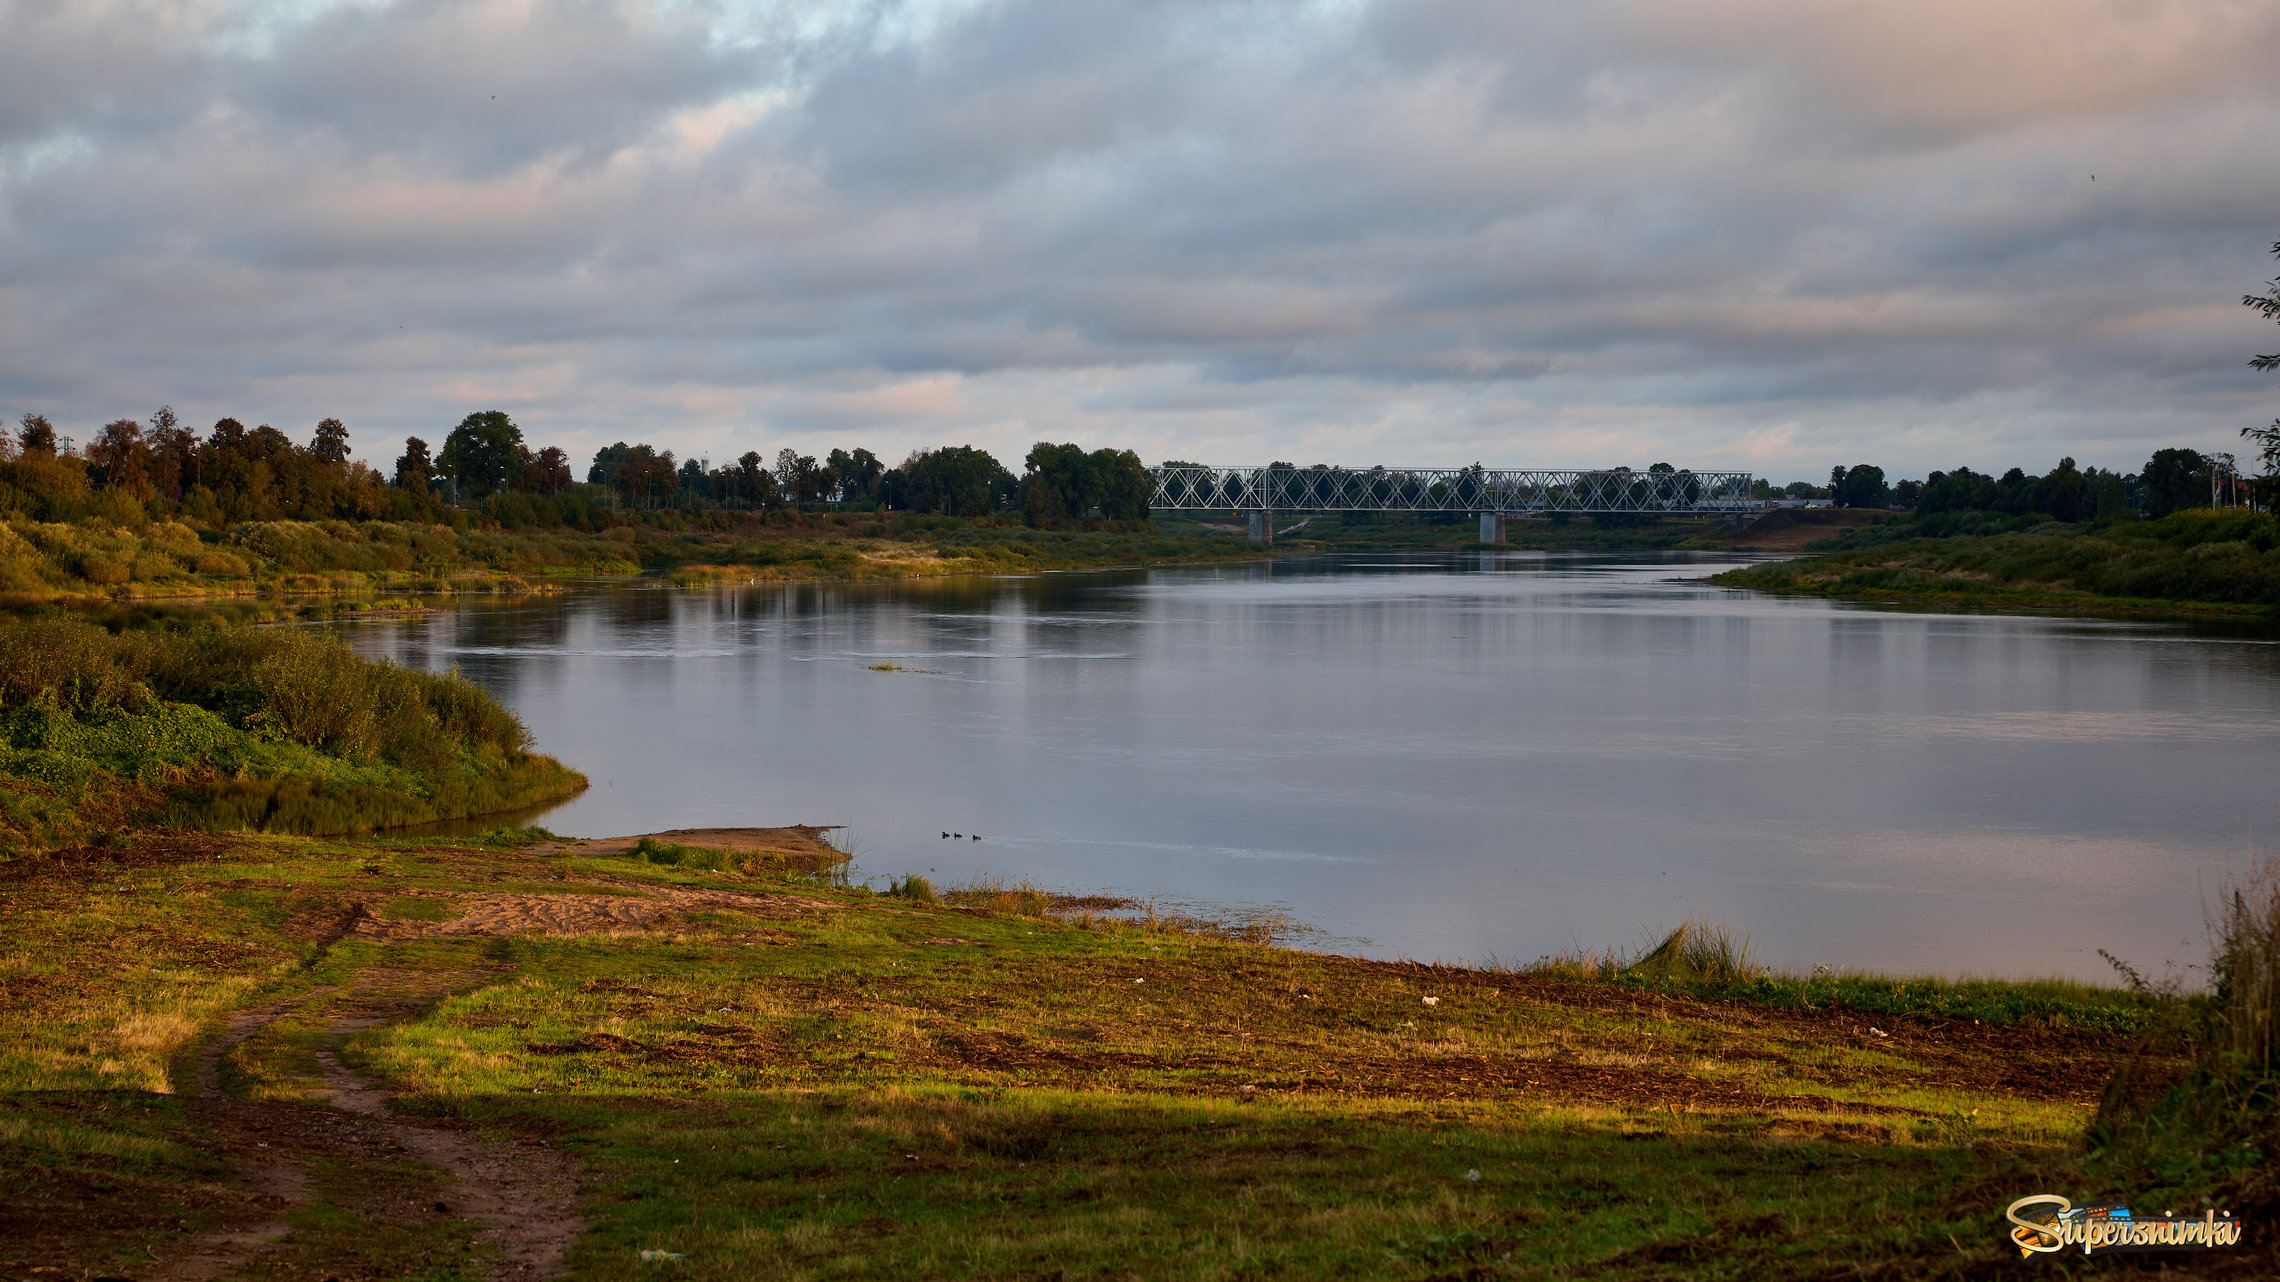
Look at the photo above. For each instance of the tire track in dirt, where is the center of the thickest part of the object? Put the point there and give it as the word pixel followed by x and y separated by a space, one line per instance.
pixel 527 1201
pixel 524 1196
pixel 272 1186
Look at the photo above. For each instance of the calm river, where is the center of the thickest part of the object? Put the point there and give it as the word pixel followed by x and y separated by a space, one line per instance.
pixel 1436 755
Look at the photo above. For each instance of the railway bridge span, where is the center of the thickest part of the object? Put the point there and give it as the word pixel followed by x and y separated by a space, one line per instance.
pixel 1494 494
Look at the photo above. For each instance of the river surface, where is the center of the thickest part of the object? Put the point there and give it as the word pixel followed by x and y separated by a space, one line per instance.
pixel 1452 756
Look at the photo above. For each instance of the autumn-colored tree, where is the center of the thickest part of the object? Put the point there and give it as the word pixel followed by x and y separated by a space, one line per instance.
pixel 120 458
pixel 545 472
pixel 37 436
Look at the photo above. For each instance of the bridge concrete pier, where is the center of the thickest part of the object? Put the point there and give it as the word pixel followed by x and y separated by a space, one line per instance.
pixel 1262 529
pixel 1492 527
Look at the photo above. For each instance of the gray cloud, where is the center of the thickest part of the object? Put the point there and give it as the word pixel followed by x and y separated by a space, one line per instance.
pixel 1753 232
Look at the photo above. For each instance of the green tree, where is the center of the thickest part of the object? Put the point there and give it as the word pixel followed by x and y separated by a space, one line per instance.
pixel 2112 496
pixel 330 444
pixel 1063 482
pixel 173 454
pixel 2175 479
pixel 957 480
pixel 755 485
pixel 695 478
pixel 483 455
pixel 415 471
pixel 606 460
pixel 857 473
pixel 2064 493
pixel 1859 486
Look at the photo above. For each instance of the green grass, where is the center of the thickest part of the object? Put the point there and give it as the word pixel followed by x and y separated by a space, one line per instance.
pixel 849 1183
pixel 1001 1083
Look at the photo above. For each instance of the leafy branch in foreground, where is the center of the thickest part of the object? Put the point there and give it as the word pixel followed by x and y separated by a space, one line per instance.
pixel 2266 438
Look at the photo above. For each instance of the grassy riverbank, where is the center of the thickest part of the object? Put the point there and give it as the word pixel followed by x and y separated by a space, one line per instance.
pixel 103 735
pixel 2197 561
pixel 767 1076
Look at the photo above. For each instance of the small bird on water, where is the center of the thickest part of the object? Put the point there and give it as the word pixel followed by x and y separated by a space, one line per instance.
pixel 977 836
pixel 945 836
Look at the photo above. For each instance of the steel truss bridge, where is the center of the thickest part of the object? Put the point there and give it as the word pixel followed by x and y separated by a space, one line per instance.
pixel 1492 493
pixel 1445 489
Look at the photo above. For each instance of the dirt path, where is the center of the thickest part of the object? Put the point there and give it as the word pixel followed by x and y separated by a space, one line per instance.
pixel 522 1196
pixel 526 1197
pixel 271 1186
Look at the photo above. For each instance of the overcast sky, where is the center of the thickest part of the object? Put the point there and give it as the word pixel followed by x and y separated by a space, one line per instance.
pixel 1721 233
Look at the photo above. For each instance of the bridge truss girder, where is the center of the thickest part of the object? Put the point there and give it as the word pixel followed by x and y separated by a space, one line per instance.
pixel 1452 489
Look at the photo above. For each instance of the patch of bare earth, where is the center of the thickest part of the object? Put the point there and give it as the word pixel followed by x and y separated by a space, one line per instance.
pixel 574 914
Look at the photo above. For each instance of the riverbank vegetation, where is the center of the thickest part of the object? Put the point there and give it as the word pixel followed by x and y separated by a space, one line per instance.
pixel 774 1076
pixel 103 734
pixel 351 566
pixel 2214 561
pixel 379 564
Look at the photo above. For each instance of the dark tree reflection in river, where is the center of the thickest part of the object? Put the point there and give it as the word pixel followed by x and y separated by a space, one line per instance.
pixel 1447 756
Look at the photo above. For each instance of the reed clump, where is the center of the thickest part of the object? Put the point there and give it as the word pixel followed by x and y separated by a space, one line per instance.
pixel 1695 952
pixel 914 888
pixel 994 894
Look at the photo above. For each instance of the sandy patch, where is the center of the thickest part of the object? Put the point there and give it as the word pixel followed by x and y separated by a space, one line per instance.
pixel 1788 529
pixel 800 845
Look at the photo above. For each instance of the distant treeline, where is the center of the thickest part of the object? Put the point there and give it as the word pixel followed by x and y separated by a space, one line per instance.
pixel 132 471
pixel 2171 481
